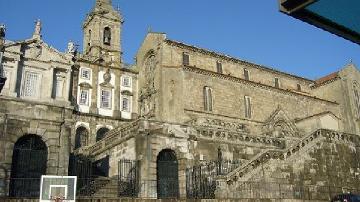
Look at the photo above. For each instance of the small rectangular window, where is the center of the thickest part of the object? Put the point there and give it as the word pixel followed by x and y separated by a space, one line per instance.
pixel 208 100
pixel 219 67
pixel 246 74
pixel 84 97
pixel 277 84
pixel 31 84
pixel 85 73
pixel 126 81
pixel 126 103
pixel 248 113
pixel 186 59
pixel 298 87
pixel 105 99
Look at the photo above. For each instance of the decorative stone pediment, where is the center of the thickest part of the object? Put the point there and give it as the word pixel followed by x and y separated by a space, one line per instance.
pixel 126 92
pixel 85 85
pixel 106 85
pixel 38 50
pixel 280 125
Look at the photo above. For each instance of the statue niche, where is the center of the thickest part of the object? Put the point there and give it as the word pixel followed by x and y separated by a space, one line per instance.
pixel 148 91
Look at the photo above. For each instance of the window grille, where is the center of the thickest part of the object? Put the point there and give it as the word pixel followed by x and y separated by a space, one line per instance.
pixel 85 74
pixel 126 81
pixel 208 100
pixel 126 104
pixel 105 99
pixel 84 95
pixel 31 84
pixel 248 113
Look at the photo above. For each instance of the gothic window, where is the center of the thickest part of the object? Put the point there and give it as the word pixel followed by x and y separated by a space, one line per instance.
pixel 219 67
pixel 89 37
pixel 357 99
pixel 186 59
pixel 126 104
pixel 208 100
pixel 81 137
pixel 105 101
pixel 31 84
pixel 85 73
pixel 248 113
pixel 100 134
pixel 246 74
pixel 126 81
pixel 84 97
pixel 277 84
pixel 150 64
pixel 298 87
pixel 107 36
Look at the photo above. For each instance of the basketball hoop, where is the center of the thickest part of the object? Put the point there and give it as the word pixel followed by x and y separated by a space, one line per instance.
pixel 58 198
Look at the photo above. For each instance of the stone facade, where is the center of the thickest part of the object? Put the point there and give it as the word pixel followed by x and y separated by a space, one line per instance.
pixel 182 103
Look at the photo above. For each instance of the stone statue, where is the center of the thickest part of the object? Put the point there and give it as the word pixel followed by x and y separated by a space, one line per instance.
pixel 37 31
pixel 2 31
pixel 107 76
pixel 71 48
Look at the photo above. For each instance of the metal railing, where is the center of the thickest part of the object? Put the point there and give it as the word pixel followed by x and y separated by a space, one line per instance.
pixel 111 188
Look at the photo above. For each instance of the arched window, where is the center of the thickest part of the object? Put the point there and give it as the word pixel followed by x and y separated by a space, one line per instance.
pixel 100 134
pixel 29 162
pixel 208 100
pixel 81 137
pixel 89 39
pixel 107 36
pixel 167 174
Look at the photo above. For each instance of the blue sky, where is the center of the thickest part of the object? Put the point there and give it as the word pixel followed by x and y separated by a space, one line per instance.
pixel 253 30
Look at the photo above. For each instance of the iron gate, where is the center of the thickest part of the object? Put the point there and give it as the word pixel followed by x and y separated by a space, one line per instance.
pixel 128 182
pixel 167 175
pixel 29 162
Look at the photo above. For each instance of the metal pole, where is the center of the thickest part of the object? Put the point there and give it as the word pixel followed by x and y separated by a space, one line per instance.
pixel 2 43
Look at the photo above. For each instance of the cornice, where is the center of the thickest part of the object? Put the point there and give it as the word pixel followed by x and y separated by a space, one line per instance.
pixel 251 83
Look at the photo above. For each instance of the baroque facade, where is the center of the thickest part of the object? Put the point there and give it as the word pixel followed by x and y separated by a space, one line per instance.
pixel 176 109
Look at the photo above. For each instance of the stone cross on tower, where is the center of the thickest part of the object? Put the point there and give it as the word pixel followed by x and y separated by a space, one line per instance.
pixel 37 31
pixel 103 4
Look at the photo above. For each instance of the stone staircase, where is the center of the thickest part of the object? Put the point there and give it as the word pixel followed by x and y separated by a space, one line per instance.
pixel 247 170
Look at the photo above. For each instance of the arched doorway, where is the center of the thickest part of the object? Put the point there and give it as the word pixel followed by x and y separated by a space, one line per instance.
pixel 29 162
pixel 81 137
pixel 100 134
pixel 167 174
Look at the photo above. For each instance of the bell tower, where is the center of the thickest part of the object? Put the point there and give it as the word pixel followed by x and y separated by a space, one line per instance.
pixel 102 33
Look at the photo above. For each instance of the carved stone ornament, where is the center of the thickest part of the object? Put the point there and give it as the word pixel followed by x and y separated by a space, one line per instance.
pixel 279 125
pixel 107 76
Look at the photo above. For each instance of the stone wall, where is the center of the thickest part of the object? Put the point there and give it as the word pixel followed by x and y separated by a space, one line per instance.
pixel 204 59
pixel 52 123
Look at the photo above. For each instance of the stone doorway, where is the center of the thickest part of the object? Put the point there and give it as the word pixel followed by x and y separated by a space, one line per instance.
pixel 167 175
pixel 29 162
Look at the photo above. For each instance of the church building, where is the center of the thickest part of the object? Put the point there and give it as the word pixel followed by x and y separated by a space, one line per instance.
pixel 181 122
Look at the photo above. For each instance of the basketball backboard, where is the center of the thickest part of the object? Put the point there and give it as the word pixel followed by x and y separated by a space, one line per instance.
pixel 55 187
